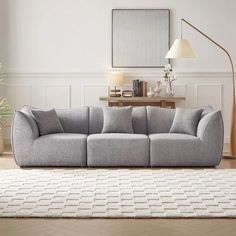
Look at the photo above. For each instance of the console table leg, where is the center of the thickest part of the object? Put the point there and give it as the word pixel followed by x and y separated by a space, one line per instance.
pixel 163 103
pixel 120 104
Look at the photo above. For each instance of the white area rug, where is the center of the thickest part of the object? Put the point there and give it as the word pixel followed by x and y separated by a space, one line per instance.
pixel 118 193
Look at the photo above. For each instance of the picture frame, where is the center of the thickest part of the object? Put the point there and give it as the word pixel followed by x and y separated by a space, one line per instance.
pixel 140 38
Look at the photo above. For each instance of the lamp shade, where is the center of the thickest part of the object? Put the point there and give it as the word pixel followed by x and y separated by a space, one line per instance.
pixel 115 79
pixel 180 49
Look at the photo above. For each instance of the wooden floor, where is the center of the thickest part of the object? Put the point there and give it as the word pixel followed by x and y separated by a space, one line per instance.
pixel 115 227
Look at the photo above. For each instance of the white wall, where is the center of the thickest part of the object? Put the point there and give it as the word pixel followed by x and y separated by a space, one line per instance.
pixel 57 52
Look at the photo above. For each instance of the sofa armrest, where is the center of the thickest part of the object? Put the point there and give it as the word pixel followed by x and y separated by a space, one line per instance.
pixel 211 132
pixel 24 132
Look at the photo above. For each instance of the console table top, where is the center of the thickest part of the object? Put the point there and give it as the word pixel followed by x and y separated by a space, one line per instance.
pixel 141 99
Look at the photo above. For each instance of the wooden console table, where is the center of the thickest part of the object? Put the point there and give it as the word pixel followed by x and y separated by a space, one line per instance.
pixel 142 101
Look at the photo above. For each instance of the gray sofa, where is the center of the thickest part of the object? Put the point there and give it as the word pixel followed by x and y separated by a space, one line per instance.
pixel 83 144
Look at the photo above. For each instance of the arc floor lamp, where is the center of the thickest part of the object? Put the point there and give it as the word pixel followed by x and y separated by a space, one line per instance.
pixel 182 49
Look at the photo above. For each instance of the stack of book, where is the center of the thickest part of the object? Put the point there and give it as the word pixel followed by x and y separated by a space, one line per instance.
pixel 139 88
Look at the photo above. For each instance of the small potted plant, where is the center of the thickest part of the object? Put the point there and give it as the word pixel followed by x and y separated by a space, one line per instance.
pixel 5 112
pixel 169 77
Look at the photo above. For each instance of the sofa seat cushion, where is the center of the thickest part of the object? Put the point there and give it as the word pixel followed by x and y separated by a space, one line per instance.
pixel 174 150
pixel 59 150
pixel 116 149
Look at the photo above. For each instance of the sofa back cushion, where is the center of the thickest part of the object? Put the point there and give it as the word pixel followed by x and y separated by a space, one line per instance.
pixel 74 120
pixel 159 120
pixel 139 120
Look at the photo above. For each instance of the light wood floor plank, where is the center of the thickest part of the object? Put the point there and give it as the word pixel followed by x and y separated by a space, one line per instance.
pixel 117 227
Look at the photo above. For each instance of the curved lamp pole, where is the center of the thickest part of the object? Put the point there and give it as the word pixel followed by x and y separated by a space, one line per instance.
pixel 182 49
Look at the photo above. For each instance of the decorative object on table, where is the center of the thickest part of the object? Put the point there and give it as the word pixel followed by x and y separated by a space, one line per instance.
pixel 150 93
pixel 169 78
pixel 157 89
pixel 145 88
pixel 115 79
pixel 127 93
pixel 139 88
pixel 182 49
pixel 5 111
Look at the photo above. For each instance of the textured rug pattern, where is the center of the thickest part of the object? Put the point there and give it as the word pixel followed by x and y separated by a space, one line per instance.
pixel 117 193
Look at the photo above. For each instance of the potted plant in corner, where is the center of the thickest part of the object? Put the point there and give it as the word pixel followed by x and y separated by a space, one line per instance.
pixel 5 112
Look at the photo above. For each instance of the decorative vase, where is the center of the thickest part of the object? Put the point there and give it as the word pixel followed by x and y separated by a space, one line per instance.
pixel 170 90
pixel 1 143
pixel 150 93
pixel 157 89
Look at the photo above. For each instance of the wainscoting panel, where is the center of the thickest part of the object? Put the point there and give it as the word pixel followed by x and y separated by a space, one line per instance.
pixel 91 94
pixel 18 95
pixel 57 96
pixel 210 93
